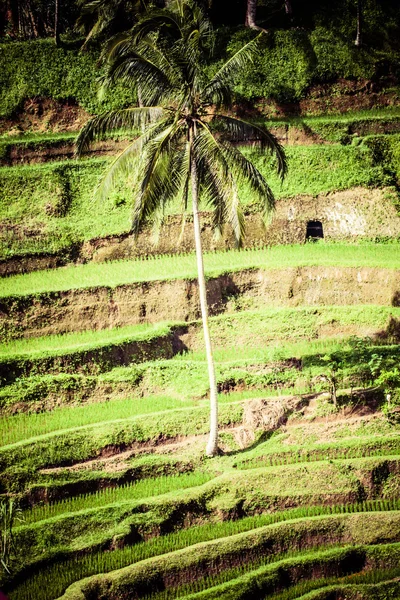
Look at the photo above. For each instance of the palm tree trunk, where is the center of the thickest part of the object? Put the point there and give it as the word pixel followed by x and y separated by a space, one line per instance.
pixel 212 445
pixel 358 40
pixel 57 22
pixel 289 8
pixel 251 14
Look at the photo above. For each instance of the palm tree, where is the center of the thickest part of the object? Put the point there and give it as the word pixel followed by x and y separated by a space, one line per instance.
pixel 57 22
pixel 185 150
pixel 358 40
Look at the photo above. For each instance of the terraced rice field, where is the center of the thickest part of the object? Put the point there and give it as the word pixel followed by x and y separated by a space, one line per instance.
pixel 303 500
pixel 104 421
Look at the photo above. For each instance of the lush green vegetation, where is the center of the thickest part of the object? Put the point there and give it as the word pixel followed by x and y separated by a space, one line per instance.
pixel 142 489
pixel 292 60
pixel 56 199
pixel 57 578
pixel 38 68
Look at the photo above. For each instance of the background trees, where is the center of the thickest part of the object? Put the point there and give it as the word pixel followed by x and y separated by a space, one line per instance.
pixel 26 19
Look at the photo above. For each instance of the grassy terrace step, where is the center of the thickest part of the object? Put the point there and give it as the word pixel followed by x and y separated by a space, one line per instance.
pixel 340 127
pixel 262 583
pixel 244 336
pixel 85 340
pixel 332 128
pixel 55 199
pixel 375 585
pixel 268 578
pixel 25 426
pixel 125 424
pixel 165 268
pixel 246 540
pixel 11 145
pixel 147 488
pixel 237 287
pixel 47 147
pixel 62 574
pixel 286 368
pixel 65 447
pixel 369 584
pixel 87 352
pixel 22 426
pixel 364 577
pixel 381 461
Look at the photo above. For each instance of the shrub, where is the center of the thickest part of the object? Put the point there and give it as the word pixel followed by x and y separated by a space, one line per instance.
pixel 337 57
pixel 37 68
pixel 283 70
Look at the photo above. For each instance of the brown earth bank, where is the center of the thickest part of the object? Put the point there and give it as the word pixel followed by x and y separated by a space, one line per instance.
pixel 178 300
pixel 288 135
pixel 23 154
pixel 94 361
pixel 338 97
pixel 45 115
pixel 40 115
pixel 348 215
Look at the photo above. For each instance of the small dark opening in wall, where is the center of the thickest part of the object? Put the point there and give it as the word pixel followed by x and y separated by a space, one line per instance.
pixel 314 230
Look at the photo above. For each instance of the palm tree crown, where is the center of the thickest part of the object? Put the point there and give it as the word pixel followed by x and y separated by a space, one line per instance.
pixel 185 148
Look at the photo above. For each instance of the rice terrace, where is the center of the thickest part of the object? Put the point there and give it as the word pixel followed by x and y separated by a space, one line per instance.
pixel 199 300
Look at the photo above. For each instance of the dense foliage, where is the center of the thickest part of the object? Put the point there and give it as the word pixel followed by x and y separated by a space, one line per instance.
pixel 319 48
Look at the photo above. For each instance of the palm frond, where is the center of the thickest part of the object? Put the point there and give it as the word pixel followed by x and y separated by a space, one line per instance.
pixel 165 21
pixel 245 172
pixel 243 131
pixel 241 169
pixel 224 77
pixel 159 173
pixel 217 183
pixel 135 71
pixel 127 163
pixel 126 120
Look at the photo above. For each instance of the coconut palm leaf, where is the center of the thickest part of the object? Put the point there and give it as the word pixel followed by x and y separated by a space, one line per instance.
pixel 127 119
pixel 126 163
pixel 221 83
pixel 243 131
pixel 159 175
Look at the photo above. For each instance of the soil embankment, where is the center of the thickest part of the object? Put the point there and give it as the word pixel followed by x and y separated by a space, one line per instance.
pixel 346 215
pixel 177 300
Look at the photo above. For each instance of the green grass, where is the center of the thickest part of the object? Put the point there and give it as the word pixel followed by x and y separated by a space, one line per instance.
pixel 257 330
pixel 261 583
pixel 25 425
pixel 252 580
pixel 341 127
pixel 376 447
pixel 53 345
pixel 262 371
pixel 311 589
pixel 191 590
pixel 148 488
pixel 172 267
